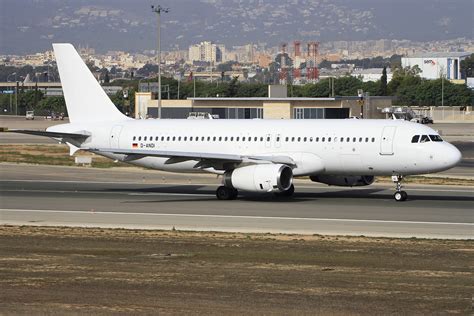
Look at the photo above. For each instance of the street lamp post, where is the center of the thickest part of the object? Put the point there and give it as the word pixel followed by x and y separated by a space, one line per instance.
pixel 158 9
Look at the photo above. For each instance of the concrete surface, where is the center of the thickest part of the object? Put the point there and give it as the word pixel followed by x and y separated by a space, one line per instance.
pixel 42 195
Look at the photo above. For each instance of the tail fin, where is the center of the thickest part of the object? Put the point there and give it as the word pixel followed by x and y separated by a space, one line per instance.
pixel 86 101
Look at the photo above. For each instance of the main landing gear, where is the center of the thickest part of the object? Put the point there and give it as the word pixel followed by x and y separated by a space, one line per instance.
pixel 226 193
pixel 399 195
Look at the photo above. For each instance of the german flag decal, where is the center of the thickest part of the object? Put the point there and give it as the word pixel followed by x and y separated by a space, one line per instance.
pixel 134 145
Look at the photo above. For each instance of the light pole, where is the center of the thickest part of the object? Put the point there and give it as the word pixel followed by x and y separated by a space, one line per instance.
pixel 158 9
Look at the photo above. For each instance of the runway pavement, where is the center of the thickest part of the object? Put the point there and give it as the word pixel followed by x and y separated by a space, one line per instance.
pixel 131 198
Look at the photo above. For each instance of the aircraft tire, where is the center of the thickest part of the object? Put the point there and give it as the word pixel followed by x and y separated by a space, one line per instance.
pixel 400 196
pixel 225 193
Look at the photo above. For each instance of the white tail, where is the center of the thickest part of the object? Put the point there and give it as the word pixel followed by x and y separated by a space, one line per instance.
pixel 86 101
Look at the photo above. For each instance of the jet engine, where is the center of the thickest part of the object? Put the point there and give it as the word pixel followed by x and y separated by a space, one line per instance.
pixel 343 181
pixel 260 178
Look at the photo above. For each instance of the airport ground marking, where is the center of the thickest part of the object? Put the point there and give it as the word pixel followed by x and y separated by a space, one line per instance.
pixel 239 217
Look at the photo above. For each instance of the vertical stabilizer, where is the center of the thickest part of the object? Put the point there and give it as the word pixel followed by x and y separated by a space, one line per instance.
pixel 86 101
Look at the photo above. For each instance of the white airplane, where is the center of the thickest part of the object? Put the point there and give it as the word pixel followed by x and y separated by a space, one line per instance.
pixel 251 155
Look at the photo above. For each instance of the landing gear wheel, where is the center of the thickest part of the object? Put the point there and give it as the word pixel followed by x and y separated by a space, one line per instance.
pixel 400 196
pixel 287 193
pixel 225 193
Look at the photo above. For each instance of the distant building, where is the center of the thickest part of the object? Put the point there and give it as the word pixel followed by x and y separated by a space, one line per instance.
pixel 371 74
pixel 436 65
pixel 207 51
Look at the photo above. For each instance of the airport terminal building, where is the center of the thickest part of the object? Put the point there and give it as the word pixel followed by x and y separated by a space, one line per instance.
pixel 279 107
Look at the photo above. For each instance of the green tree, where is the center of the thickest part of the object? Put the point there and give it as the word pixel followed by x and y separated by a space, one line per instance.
pixel 467 67
pixel 233 87
pixel 383 82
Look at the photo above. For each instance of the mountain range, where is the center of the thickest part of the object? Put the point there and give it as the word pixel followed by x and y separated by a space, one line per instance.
pixel 28 26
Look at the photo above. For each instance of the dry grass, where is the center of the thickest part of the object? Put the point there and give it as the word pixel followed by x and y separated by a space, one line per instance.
pixel 105 271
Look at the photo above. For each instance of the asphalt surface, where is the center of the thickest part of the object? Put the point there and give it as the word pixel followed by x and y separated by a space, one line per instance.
pixel 131 198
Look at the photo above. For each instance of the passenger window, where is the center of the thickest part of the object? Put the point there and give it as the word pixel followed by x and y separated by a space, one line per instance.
pixel 256 138
pixel 317 139
pixel 415 139
pixel 208 138
pixel 139 138
pixel 360 139
pixel 179 138
pixel 278 139
pixel 168 138
pixel 268 138
pixel 144 139
pixel 329 139
pixel 311 139
pixel 342 139
pixel 424 139
pixel 220 138
pixel 354 139
pixel 348 139
pixel 174 138
pixel 225 138
pixel 156 138
pixel 214 138
pixel 323 139
pixel 373 139
pixel 185 138
pixel 366 139
pixel 190 138
pixel 243 139
pixel 237 139
pixel 292 139
pixel 232 139
pixel 299 139
pixel 134 137
pixel 286 139
pixel 436 138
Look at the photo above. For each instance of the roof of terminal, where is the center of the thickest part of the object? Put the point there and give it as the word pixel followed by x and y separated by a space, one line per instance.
pixel 337 98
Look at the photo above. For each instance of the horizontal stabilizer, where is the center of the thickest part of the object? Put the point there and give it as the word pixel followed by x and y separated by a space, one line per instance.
pixel 75 136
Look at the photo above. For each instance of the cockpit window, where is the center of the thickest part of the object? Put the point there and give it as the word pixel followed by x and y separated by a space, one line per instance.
pixel 415 139
pixel 436 138
pixel 424 139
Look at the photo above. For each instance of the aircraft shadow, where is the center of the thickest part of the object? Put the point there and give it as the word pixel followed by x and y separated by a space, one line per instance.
pixel 195 191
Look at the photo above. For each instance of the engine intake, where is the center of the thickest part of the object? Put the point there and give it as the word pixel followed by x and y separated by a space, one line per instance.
pixel 343 181
pixel 260 178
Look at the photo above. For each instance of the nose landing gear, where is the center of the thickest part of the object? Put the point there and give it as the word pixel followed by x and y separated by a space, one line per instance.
pixel 399 195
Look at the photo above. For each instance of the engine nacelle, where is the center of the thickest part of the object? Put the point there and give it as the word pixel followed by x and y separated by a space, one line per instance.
pixel 343 181
pixel 260 178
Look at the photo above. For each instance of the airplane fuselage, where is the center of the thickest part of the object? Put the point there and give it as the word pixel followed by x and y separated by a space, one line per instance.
pixel 331 147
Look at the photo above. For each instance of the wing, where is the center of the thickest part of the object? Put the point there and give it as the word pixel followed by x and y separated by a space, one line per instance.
pixel 205 160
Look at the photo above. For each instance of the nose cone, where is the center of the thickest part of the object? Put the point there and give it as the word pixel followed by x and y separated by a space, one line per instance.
pixel 453 156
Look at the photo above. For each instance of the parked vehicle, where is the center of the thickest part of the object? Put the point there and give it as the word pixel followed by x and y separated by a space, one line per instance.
pixel 30 115
pixel 55 116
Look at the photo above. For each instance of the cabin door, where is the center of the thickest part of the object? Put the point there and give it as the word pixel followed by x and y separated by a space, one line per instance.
pixel 115 136
pixel 386 141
